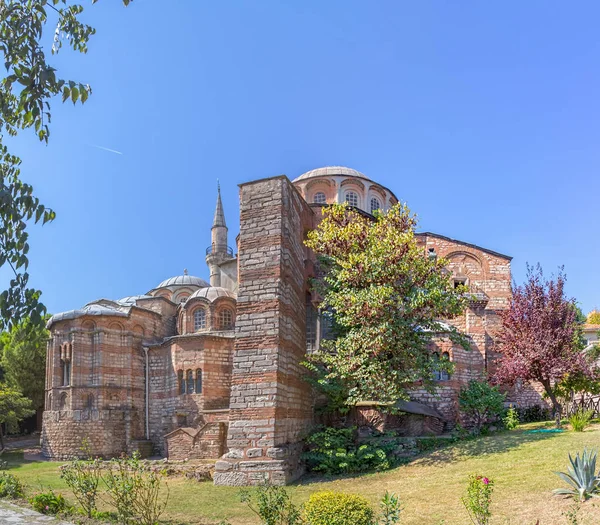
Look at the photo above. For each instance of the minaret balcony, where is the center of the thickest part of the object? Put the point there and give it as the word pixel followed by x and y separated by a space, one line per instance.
pixel 218 248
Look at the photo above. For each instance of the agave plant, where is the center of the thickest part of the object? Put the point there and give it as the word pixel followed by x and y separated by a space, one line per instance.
pixel 581 476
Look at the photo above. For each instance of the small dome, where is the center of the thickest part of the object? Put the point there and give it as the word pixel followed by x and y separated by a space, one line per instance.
pixel 131 300
pixel 329 171
pixel 183 280
pixel 212 293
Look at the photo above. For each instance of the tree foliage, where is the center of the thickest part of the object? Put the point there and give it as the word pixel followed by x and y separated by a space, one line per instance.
pixel 480 401
pixel 593 317
pixel 540 337
pixel 26 90
pixel 23 359
pixel 13 409
pixel 387 300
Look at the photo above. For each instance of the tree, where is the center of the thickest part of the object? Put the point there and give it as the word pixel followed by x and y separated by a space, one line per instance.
pixel 480 401
pixel 593 317
pixel 23 360
pixel 540 337
pixel 25 93
pixel 13 409
pixel 387 298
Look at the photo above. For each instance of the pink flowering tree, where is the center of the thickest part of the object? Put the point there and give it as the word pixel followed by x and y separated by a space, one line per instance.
pixel 540 336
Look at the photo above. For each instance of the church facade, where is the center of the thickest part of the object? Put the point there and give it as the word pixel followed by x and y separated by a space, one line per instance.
pixel 195 369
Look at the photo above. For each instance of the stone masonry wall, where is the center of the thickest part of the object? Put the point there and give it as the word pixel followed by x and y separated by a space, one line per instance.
pixel 271 405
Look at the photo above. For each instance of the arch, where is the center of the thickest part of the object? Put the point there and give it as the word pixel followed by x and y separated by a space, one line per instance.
pixel 444 374
pixel 90 402
pixel 138 330
pixel 314 182
pixel 319 198
pixel 62 401
pixel 436 371
pixel 117 327
pixel 374 204
pixel 181 297
pixel 180 382
pixel 352 198
pixel 379 190
pixel 355 182
pixel 199 317
pixel 189 382
pixel 88 324
pixel 198 381
pixel 226 320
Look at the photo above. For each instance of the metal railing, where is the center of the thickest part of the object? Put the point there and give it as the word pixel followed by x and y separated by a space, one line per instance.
pixel 217 248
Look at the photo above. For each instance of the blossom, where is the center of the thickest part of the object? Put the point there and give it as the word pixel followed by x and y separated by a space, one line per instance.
pixel 486 481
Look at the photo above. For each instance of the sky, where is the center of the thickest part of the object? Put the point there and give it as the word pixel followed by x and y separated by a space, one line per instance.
pixel 483 116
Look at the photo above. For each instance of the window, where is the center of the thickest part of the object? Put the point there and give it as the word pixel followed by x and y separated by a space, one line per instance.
pixel 225 319
pixel 436 370
pixel 180 382
pixel 189 382
pixel 198 381
pixel 182 299
pixel 460 282
pixel 89 402
pixel 311 324
pixel 444 374
pixel 319 198
pixel 375 205
pixel 66 372
pixel 352 198
pixel 199 319
pixel 431 253
pixel 62 401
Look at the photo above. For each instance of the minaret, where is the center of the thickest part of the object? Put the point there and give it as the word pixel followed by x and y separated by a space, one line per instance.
pixel 218 251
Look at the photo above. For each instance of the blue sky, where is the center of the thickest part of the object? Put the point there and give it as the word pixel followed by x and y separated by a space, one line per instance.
pixel 484 117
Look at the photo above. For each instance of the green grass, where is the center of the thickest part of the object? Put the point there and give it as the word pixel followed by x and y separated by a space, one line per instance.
pixel 430 487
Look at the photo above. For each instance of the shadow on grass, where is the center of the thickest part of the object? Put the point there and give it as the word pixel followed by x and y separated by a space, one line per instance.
pixel 453 452
pixel 15 458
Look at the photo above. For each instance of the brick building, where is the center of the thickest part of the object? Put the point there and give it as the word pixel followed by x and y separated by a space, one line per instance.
pixel 212 370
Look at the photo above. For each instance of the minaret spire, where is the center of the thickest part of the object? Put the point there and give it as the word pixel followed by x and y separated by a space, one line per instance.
pixel 219 219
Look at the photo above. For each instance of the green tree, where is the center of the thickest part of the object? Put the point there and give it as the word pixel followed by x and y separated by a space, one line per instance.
pixel 13 409
pixel 387 298
pixel 480 401
pixel 23 360
pixel 593 317
pixel 31 82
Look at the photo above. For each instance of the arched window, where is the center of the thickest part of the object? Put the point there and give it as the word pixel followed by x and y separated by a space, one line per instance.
pixel 180 382
pixel 225 319
pixel 62 403
pixel 198 381
pixel 352 198
pixel 189 382
pixel 436 371
pixel 444 374
pixel 89 402
pixel 319 198
pixel 375 205
pixel 199 319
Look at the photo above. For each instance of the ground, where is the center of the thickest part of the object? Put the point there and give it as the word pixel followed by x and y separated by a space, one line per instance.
pixel 522 465
pixel 13 515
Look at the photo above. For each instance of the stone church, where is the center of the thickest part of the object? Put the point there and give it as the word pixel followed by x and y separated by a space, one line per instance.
pixel 192 369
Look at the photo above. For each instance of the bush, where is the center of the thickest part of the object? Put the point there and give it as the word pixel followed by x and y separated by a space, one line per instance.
pixel 534 414
pixel 511 419
pixel 581 419
pixel 478 499
pixel 272 505
pixel 337 508
pixel 390 509
pixel 48 503
pixel 481 401
pixel 83 478
pixel 334 451
pixel 10 486
pixel 581 476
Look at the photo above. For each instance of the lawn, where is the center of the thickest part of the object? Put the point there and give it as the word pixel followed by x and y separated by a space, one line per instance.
pixel 521 464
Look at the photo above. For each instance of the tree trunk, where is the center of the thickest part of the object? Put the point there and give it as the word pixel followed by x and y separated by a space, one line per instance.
pixel 556 406
pixel 1 439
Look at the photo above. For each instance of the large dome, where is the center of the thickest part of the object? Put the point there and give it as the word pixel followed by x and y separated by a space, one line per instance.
pixel 183 280
pixel 329 171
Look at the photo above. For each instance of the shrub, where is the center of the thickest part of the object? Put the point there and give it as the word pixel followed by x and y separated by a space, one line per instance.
pixel 135 490
pixel 272 505
pixel 10 486
pixel 581 476
pixel 534 414
pixel 337 508
pixel 581 419
pixel 390 509
pixel 334 451
pixel 478 499
pixel 83 478
pixel 48 503
pixel 511 419
pixel 481 401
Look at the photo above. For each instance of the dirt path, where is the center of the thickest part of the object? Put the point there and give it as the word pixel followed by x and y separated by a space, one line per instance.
pixel 12 515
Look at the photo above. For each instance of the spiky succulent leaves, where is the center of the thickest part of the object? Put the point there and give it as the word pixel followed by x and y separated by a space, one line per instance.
pixel 581 476
pixel 387 298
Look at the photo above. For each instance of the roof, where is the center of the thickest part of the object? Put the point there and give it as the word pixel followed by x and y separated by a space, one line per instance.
pixel 133 299
pixel 183 280
pixel 591 327
pixel 491 252
pixel 328 171
pixel 212 293
pixel 88 309
pixel 219 219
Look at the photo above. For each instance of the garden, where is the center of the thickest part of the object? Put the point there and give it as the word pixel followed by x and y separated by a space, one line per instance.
pixel 506 477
